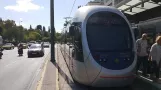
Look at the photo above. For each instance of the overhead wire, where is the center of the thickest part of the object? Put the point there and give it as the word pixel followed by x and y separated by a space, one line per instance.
pixel 72 8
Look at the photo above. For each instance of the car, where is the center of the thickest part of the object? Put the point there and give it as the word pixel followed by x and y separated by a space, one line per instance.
pixel 8 46
pixel 24 45
pixel 36 49
pixel 29 44
pixel 33 42
pixel 46 44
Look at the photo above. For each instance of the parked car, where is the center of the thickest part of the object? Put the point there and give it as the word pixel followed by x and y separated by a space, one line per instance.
pixel 8 46
pixel 29 44
pixel 46 44
pixel 24 45
pixel 36 49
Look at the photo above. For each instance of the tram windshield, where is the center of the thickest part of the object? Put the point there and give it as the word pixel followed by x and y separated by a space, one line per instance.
pixel 108 32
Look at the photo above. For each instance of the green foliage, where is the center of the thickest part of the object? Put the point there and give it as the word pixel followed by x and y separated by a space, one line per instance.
pixel 13 33
pixel 1 30
pixel 39 27
pixel 30 27
pixel 44 29
pixel 46 39
pixel 34 36
pixel 57 37
pixel 67 23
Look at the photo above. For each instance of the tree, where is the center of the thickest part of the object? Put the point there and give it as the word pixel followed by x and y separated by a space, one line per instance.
pixel 58 37
pixel 11 32
pixel 26 38
pixel 30 27
pixel 39 27
pixel 9 24
pixel 46 39
pixel 1 30
pixel 49 29
pixel 67 22
pixel 44 29
pixel 34 36
pixel 46 34
pixel 1 20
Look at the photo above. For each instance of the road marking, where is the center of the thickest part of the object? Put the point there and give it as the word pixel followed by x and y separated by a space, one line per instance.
pixel 39 85
pixel 57 77
pixel 57 84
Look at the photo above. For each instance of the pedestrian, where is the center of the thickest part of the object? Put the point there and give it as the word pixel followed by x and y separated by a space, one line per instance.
pixel 155 56
pixel 142 53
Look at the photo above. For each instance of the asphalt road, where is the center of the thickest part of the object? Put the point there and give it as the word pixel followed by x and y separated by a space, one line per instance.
pixel 18 72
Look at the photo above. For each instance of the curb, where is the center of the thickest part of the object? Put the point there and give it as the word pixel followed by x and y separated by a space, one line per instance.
pixel 42 74
pixel 57 71
pixel 148 81
pixel 37 76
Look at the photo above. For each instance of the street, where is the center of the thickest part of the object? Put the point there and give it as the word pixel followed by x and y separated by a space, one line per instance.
pixel 19 72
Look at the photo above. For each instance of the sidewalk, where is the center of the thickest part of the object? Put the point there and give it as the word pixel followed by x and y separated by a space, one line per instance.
pixel 49 81
pixel 49 77
pixel 56 76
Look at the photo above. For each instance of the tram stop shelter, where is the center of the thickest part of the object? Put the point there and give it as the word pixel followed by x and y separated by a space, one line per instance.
pixel 146 14
pixel 141 10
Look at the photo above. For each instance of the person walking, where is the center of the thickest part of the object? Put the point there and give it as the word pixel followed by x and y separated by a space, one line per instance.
pixel 142 46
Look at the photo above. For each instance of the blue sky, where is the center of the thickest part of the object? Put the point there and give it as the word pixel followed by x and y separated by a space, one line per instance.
pixel 36 12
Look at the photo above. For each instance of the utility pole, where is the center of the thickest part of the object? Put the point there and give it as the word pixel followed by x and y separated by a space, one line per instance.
pixel 52 36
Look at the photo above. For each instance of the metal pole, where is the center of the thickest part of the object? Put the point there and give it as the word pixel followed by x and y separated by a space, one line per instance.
pixel 52 35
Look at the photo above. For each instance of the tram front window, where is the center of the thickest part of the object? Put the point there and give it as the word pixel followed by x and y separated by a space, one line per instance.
pixel 106 35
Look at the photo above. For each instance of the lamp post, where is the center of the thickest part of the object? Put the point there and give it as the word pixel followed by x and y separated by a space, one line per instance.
pixel 52 36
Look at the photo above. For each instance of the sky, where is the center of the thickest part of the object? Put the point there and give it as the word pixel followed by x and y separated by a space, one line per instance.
pixel 35 12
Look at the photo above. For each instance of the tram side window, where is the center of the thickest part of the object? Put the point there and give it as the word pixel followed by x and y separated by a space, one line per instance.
pixel 78 43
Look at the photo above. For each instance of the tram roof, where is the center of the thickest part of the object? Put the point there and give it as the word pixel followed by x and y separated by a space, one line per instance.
pixel 84 11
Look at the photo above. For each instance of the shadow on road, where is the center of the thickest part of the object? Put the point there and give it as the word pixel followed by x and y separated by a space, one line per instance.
pixel 78 86
pixel 62 72
pixel 35 56
pixel 19 55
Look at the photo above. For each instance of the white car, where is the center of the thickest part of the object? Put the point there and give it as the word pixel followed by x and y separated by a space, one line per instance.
pixel 46 44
